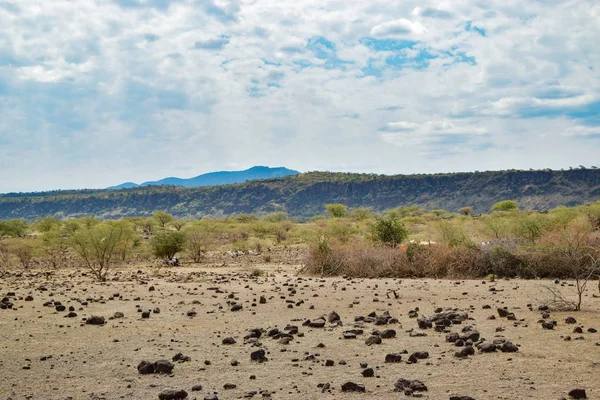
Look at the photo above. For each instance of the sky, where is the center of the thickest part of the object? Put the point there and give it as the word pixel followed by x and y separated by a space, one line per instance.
pixel 94 93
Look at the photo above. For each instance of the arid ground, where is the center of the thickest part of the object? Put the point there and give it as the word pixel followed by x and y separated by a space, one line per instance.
pixel 47 355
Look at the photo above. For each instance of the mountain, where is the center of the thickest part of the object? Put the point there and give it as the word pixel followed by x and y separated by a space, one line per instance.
pixel 216 178
pixel 305 195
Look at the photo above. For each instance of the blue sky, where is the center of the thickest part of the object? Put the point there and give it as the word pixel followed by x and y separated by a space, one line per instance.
pixel 99 92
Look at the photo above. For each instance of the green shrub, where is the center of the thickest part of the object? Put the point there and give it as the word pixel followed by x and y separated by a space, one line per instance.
pixel 388 231
pixel 165 244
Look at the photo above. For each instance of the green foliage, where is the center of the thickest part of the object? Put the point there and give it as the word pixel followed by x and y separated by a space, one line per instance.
pixel 506 205
pixel 465 210
pixel 14 228
pixel 453 234
pixel 530 227
pixel 361 213
pixel 341 230
pixel 55 245
pixel 46 224
pixel 388 230
pixel 162 218
pixel 336 210
pixel 178 224
pixel 197 243
pixel 276 217
pixel 98 243
pixel 165 244
pixel 246 218
pixel 405 212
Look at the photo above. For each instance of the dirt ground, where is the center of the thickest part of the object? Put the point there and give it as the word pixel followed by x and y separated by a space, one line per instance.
pixel 47 355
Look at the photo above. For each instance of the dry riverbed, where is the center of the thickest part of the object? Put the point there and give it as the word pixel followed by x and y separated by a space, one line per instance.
pixel 234 335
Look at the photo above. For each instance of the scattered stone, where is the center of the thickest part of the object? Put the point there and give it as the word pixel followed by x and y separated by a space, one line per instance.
pixel 172 395
pixel 95 320
pixel 578 394
pixel 393 358
pixel 353 387
pixel 371 340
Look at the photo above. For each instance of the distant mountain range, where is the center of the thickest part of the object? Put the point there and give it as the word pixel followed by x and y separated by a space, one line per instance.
pixel 305 195
pixel 215 178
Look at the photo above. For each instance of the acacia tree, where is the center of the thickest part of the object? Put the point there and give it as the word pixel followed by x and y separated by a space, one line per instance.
pixel 389 231
pixel 163 218
pixel 505 205
pixel 466 210
pixel 98 244
pixel 336 210
pixel 165 244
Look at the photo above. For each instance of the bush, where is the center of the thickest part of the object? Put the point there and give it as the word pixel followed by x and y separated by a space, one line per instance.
pixel 336 210
pixel 165 244
pixel 98 243
pixel 388 231
pixel 13 228
pixel 505 205
pixel 197 243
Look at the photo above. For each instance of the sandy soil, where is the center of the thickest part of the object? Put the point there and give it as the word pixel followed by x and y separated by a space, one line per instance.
pixel 46 355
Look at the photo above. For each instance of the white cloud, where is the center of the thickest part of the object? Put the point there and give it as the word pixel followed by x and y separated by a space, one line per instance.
pixel 208 84
pixel 401 27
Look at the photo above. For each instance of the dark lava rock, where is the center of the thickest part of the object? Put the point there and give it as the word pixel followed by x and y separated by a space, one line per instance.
pixel 172 395
pixel 373 340
pixel 196 388
pixel 368 373
pixel 577 394
pixel 229 340
pixel 211 397
pixel 487 347
pixel 570 320
pixel 503 312
pixel 353 387
pixel 388 334
pixel 163 367
pixel 404 385
pixel 578 329
pixel 393 358
pixel 418 355
pixel 236 307
pixel 465 351
pixel 452 337
pixel 333 317
pixel 95 320
pixel 229 386
pixel 145 314
pixel 181 358
pixel 145 367
pixel 461 398
pixel 317 323
pixel 424 323
pixel 258 355
pixel 548 325
pixel 509 347
pixel 60 308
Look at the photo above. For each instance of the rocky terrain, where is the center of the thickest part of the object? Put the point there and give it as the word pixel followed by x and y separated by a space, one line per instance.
pixel 234 332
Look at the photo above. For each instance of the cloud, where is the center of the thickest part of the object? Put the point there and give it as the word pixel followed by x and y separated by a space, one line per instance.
pixel 437 138
pixel 401 27
pixel 314 84
pixel 583 132
pixel 212 44
pixel 433 13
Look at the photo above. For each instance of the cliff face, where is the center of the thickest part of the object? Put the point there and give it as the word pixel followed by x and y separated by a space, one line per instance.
pixel 305 195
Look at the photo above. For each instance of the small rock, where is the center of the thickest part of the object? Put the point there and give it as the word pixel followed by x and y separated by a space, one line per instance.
pixel 172 395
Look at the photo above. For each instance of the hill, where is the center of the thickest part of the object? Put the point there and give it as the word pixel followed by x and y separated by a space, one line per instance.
pixel 216 178
pixel 304 195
